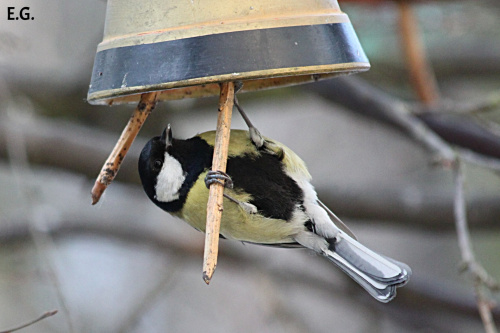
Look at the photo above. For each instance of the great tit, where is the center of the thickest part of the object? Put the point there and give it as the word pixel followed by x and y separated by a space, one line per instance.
pixel 268 200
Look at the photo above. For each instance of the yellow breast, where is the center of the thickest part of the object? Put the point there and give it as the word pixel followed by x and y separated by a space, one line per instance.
pixel 236 223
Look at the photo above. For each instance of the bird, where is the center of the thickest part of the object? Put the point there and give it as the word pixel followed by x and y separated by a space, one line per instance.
pixel 268 200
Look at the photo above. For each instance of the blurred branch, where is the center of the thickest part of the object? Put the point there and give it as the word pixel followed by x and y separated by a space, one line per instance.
pixel 463 131
pixel 430 293
pixel 451 129
pixel 485 151
pixel 35 211
pixel 363 98
pixel 42 317
pixel 65 145
pixel 480 276
pixel 421 74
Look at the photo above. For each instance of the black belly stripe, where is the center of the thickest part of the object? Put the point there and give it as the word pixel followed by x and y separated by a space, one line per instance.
pixel 274 193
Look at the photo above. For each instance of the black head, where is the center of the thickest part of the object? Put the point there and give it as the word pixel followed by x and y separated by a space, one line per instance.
pixel 151 160
pixel 168 168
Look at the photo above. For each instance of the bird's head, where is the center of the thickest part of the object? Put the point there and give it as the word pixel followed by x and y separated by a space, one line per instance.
pixel 161 174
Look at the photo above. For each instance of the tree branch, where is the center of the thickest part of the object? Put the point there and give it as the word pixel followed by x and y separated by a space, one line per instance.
pixel 427 293
pixel 454 129
pixel 362 97
pixel 34 321
pixel 424 129
pixel 59 144
pixel 480 276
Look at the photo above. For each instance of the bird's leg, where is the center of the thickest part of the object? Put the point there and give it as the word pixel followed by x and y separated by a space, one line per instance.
pixel 255 135
pixel 218 177
pixel 257 138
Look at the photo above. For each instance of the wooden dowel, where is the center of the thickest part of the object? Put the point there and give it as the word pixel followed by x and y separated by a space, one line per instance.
pixel 214 205
pixel 115 159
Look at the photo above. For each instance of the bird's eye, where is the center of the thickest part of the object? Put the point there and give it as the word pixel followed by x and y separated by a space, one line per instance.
pixel 157 164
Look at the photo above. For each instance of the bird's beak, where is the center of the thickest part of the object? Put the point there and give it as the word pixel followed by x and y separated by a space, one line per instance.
pixel 166 136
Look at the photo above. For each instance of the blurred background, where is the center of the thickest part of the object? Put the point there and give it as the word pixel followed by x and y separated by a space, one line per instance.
pixel 126 266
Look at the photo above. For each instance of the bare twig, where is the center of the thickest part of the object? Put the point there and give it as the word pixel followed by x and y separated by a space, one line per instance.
pixel 484 306
pixel 42 317
pixel 481 277
pixel 214 205
pixel 115 159
pixel 461 216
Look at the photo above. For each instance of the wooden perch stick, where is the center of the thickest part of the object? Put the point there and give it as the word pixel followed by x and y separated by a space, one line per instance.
pixel 214 205
pixel 115 159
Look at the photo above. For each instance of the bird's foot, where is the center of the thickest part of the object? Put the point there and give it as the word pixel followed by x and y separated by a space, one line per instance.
pixel 247 207
pixel 218 177
pixel 256 137
pixel 225 180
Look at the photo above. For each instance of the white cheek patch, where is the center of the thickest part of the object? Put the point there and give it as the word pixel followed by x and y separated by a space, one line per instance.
pixel 170 180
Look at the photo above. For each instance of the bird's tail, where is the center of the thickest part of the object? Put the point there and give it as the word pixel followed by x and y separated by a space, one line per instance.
pixel 377 274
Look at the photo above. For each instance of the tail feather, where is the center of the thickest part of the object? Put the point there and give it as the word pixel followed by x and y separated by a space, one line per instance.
pixel 377 274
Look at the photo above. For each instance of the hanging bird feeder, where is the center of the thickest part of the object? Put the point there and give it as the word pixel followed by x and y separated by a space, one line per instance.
pixel 163 50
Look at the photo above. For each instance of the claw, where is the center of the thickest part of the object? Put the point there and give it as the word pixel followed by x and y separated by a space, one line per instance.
pixel 225 180
pixel 218 177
